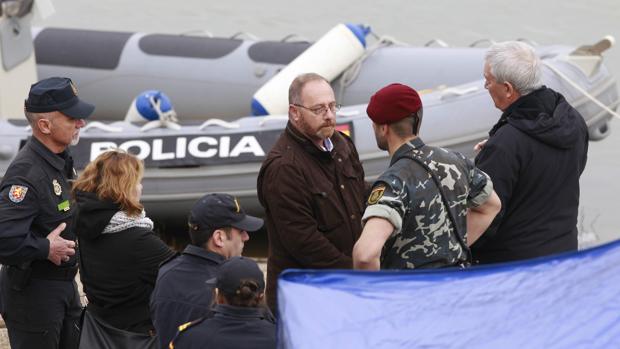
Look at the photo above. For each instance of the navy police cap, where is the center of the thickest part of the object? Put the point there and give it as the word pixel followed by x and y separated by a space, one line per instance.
pixel 57 94
pixel 216 211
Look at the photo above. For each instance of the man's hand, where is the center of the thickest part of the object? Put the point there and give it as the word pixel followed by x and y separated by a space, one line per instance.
pixel 60 249
pixel 478 147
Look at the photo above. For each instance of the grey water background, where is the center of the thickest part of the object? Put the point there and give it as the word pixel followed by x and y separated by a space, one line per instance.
pixel 457 22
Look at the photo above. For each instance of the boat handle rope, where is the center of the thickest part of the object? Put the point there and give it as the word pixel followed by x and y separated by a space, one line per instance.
pixel 439 42
pixel 353 71
pixel 101 126
pixel 578 88
pixel 250 36
pixel 269 118
pixel 482 41
pixel 456 92
pixel 218 122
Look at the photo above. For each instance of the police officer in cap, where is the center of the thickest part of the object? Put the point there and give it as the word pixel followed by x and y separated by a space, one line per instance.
pixel 218 229
pixel 239 319
pixel 40 301
pixel 431 203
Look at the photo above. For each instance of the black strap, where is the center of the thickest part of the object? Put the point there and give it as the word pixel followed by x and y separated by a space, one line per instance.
pixel 443 198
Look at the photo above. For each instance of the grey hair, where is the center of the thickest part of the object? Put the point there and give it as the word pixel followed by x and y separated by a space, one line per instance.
pixel 517 63
pixel 34 117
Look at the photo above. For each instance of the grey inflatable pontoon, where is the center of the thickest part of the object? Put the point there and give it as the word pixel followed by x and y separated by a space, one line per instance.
pixel 209 78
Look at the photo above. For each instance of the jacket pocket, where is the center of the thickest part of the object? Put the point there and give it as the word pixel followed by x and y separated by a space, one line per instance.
pixel 327 214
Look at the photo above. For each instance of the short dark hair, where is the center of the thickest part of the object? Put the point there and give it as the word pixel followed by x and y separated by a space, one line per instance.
pixel 408 126
pixel 200 237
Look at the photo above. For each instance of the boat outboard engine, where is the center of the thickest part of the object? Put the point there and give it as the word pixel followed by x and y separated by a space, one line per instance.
pixel 153 108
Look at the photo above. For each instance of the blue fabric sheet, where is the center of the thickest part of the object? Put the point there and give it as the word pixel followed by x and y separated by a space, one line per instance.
pixel 566 301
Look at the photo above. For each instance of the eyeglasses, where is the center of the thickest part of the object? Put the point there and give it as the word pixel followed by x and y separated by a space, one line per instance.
pixel 322 109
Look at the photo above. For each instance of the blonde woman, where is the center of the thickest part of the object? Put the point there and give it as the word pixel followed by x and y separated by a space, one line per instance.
pixel 118 251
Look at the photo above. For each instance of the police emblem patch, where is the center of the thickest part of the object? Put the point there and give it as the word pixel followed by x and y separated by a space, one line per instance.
pixel 376 194
pixel 17 193
pixel 73 88
pixel 57 187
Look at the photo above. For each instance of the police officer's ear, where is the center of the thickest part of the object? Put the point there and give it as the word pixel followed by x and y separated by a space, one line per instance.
pixel 219 236
pixel 44 124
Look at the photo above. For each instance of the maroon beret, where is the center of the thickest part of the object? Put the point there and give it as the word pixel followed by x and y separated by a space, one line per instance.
pixel 393 103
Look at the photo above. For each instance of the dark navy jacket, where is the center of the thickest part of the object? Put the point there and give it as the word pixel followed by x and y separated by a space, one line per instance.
pixel 181 294
pixel 34 199
pixel 230 327
pixel 535 155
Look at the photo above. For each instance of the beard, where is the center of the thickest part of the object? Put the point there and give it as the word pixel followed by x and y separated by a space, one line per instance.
pixel 75 139
pixel 381 142
pixel 326 130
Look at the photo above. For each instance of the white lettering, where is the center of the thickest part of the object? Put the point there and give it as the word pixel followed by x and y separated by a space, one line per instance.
pixel 144 150
pixel 97 148
pixel 247 144
pixel 193 149
pixel 199 147
pixel 181 147
pixel 158 148
pixel 224 147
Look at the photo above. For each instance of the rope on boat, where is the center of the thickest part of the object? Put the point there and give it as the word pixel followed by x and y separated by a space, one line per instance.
pixel 439 42
pixel 578 88
pixel 269 118
pixel 101 126
pixel 220 123
pixel 353 71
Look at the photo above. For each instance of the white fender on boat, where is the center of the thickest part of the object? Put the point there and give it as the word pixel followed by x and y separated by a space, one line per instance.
pixel 329 57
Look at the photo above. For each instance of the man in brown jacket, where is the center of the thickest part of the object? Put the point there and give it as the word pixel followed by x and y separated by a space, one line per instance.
pixel 311 186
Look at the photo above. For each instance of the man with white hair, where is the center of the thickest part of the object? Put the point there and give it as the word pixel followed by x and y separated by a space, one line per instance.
pixel 535 155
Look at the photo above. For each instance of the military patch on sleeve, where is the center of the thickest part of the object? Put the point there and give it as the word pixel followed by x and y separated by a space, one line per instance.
pixel 376 194
pixel 17 193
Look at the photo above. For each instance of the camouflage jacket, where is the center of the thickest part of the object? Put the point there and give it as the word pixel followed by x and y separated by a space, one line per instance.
pixel 427 234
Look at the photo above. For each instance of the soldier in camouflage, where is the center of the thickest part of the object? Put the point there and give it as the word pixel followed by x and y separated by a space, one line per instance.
pixel 431 203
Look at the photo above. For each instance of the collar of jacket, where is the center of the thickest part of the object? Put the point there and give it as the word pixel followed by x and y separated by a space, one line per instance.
pixel 239 312
pixel 307 145
pixel 503 120
pixel 56 160
pixel 204 254
pixel 417 143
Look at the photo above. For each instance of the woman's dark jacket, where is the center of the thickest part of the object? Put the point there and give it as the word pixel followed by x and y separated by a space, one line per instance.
pixel 118 270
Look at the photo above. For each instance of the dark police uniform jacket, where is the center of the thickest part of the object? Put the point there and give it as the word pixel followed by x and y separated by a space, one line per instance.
pixel 430 226
pixel 34 200
pixel 230 327
pixel 180 293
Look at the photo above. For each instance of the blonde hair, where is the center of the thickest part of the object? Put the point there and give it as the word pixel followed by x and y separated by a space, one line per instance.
pixel 114 176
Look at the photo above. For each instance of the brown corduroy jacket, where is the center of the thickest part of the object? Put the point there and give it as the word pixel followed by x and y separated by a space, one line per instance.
pixel 314 201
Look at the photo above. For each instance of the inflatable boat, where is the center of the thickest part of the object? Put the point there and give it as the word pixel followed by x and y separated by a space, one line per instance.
pixel 213 82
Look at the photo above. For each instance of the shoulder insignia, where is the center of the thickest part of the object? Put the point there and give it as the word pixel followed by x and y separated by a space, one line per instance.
pixel 74 88
pixel 17 193
pixel 182 328
pixel 376 194
pixel 57 188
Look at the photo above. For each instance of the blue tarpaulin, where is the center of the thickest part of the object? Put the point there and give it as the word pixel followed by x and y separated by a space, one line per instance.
pixel 567 301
